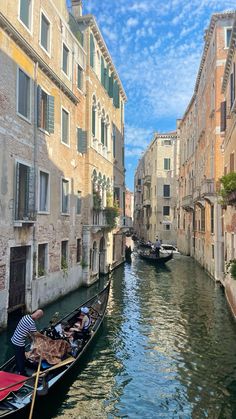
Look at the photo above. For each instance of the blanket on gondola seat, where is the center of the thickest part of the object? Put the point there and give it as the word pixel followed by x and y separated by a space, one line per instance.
pixel 48 349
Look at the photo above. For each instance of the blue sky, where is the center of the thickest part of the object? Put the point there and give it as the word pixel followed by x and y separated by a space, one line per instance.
pixel 156 46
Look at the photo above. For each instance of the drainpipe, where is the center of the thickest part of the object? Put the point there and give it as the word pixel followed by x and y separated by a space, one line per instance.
pixel 218 242
pixel 35 181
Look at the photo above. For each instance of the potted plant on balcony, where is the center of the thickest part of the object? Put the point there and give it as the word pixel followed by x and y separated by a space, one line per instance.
pixel 231 268
pixel 97 201
pixel 112 213
pixel 228 189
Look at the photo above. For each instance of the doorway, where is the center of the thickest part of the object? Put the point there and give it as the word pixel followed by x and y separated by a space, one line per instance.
pixel 17 278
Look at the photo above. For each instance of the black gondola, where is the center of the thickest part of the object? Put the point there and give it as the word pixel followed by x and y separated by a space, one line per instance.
pixel 153 258
pixel 18 401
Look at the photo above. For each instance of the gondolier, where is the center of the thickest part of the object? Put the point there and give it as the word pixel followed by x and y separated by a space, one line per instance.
pixel 25 326
pixel 157 247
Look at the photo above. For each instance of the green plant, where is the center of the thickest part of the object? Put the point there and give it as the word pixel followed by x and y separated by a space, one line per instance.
pixel 64 264
pixel 231 268
pixel 228 185
pixel 111 214
pixel 109 199
pixel 41 271
pixel 97 201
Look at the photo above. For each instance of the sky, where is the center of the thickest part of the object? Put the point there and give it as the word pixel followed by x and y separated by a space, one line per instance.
pixel 156 47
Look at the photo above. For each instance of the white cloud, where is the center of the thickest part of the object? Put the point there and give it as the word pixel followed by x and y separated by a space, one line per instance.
pixel 132 22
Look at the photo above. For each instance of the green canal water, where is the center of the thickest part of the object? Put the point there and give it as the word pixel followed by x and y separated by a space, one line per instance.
pixel 166 349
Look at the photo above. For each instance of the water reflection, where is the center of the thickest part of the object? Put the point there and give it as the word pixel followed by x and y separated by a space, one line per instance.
pixel 166 349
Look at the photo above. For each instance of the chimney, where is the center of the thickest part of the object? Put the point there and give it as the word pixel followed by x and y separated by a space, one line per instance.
pixel 76 8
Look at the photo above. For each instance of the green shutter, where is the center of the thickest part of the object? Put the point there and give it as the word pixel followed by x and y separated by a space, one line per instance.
pixel 81 141
pixel 102 72
pixel 102 131
pixel 50 114
pixel 39 100
pixel 116 96
pixel 92 48
pixel 111 81
pixel 107 79
pixel 93 122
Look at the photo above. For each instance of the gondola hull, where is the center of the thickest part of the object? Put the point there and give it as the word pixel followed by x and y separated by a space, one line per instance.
pixel 154 259
pixel 17 404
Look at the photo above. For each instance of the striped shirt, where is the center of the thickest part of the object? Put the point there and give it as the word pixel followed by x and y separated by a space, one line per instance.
pixel 25 326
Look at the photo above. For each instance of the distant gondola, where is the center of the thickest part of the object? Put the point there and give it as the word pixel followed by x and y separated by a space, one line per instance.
pixel 16 391
pixel 153 258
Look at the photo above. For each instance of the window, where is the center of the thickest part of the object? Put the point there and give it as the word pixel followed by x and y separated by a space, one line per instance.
pixel 79 77
pixel 45 33
pixel 117 196
pixel 24 198
pixel 92 51
pixel 212 219
pixel 166 210
pixel 65 59
pixel 93 121
pixel 228 32
pixel 203 219
pixel 166 164
pixel 212 251
pixel 166 227
pixel 65 127
pixel 166 191
pixel 65 196
pixel 81 141
pixel 64 255
pixel 102 131
pixel 43 192
pixel 231 162
pixel 42 259
pixel 232 86
pixel 23 100
pixel 45 110
pixel 79 202
pixel 25 12
pixel 114 139
pixel 167 142
pixel 78 252
pixel 223 116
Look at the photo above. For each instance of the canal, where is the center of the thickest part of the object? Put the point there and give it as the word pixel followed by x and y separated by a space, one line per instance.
pixel 167 349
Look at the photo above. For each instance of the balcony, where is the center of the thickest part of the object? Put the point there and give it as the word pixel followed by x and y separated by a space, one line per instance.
pixel 208 187
pixel 187 203
pixel 147 180
pixel 28 219
pixel 146 203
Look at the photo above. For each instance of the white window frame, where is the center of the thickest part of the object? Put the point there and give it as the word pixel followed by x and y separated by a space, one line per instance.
pixel 17 95
pixel 30 29
pixel 69 191
pixel 48 52
pixel 69 53
pixel 167 158
pixel 49 192
pixel 46 259
pixel 77 72
pixel 226 29
pixel 62 142
pixel 67 252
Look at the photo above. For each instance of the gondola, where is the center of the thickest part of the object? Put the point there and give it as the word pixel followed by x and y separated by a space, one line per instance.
pixel 17 392
pixel 153 258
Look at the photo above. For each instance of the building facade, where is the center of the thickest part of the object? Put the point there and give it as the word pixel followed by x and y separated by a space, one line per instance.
pixel 200 222
pixel 129 208
pixel 155 190
pixel 228 133
pixel 47 160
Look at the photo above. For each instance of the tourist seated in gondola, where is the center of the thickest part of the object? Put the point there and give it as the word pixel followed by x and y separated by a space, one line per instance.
pixel 81 327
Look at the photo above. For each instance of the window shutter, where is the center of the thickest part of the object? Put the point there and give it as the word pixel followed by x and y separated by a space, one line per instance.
pixel 81 141
pixel 93 121
pixel 111 81
pixel 39 101
pixel 30 192
pixel 102 131
pixel 17 191
pixel 102 72
pixel 107 79
pixel 50 114
pixel 223 116
pixel 91 50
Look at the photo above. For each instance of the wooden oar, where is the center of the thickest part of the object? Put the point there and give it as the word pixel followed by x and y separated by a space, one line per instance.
pixel 54 367
pixel 35 388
